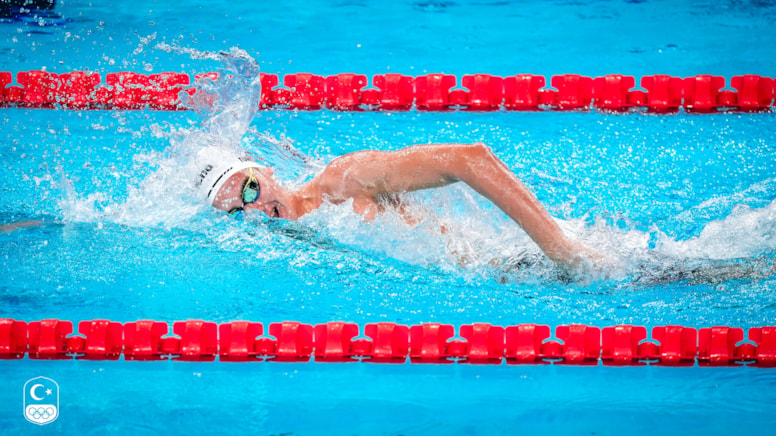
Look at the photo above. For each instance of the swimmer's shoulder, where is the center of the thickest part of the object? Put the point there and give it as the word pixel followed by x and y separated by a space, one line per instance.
pixel 344 177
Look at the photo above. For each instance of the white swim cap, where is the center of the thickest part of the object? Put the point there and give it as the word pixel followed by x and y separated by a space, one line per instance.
pixel 216 166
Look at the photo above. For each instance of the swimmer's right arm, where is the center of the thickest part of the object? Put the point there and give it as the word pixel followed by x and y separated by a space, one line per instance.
pixel 371 173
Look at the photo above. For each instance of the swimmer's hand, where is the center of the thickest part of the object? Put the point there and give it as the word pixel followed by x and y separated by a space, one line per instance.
pixel 583 263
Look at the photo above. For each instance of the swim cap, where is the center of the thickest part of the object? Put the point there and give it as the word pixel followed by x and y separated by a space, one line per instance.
pixel 216 166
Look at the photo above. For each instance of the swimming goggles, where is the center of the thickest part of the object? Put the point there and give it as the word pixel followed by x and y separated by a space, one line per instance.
pixel 251 191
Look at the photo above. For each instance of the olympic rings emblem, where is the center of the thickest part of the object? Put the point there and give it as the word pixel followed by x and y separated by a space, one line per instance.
pixel 43 413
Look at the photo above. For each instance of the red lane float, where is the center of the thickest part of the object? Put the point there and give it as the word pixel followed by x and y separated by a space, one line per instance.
pixel 98 340
pixel 764 339
pixel 143 340
pixel 306 91
pixel 431 92
pixel 677 345
pixel 343 91
pixel 394 92
pixel 581 343
pixel 78 89
pixel 126 90
pixel 521 92
pixel 620 344
pixel 238 340
pixel 664 93
pixel 39 89
pixel 483 343
pixel 428 342
pixel 755 93
pixel 13 339
pixel 478 343
pixel 524 343
pixel 46 339
pixel 574 92
pixel 333 342
pixel 390 342
pixel 198 341
pixel 717 345
pixel 268 83
pixel 293 341
pixel 701 93
pixel 485 92
pixel 613 93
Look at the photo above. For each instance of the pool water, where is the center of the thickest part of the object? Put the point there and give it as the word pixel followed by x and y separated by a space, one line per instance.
pixel 682 204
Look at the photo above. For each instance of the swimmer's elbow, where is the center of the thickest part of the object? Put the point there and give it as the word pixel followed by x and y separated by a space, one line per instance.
pixel 475 152
pixel 474 149
pixel 472 157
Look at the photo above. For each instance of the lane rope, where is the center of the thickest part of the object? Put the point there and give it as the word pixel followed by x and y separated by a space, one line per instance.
pixel 660 94
pixel 386 342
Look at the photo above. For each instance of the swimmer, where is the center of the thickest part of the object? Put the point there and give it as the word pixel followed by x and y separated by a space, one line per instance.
pixel 371 179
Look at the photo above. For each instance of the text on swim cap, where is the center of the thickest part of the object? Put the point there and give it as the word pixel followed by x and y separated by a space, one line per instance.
pixel 203 174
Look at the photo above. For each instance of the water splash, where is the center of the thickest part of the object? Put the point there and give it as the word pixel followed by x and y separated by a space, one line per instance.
pixel 459 232
pixel 463 235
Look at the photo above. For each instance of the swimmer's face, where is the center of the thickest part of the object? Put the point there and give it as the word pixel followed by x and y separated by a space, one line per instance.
pixel 251 190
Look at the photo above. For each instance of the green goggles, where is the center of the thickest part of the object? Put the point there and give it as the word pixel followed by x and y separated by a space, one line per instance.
pixel 251 191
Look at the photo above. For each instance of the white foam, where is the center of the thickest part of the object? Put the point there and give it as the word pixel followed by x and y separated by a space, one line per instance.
pixel 746 232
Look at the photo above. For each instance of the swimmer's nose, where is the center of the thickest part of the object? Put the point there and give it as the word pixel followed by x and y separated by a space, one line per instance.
pixel 254 206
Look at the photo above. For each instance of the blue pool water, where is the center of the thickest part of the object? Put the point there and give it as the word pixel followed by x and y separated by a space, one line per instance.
pixel 684 203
